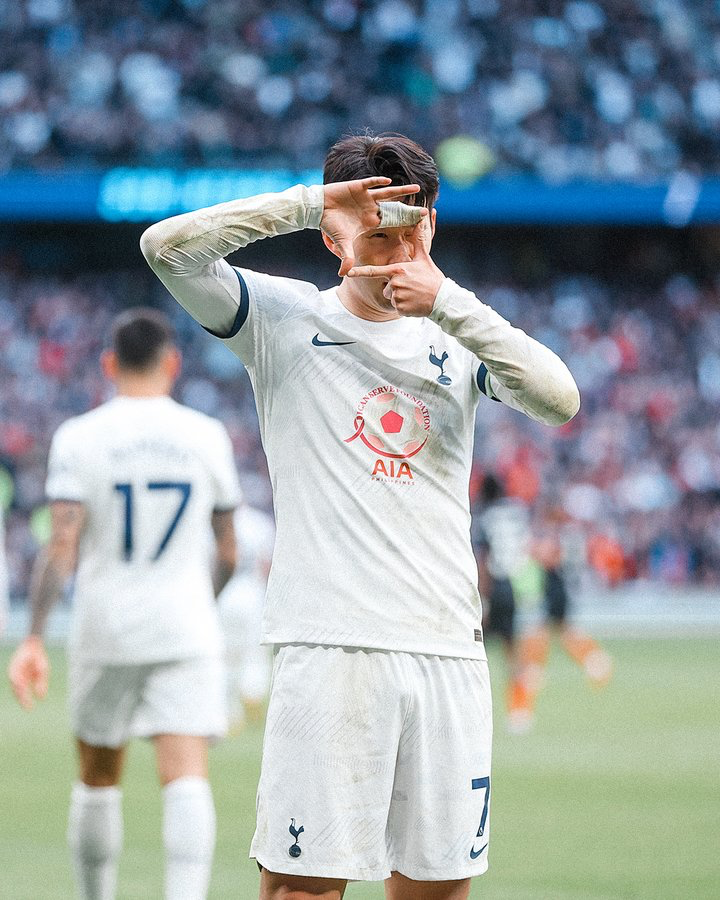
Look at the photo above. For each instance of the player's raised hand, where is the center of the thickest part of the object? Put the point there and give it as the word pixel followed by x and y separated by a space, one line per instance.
pixel 29 672
pixel 410 286
pixel 351 207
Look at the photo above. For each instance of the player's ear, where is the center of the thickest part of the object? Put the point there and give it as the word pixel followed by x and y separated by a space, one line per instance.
pixel 331 245
pixel 109 365
pixel 433 220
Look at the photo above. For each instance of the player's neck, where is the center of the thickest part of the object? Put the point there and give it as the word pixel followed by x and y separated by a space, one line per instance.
pixel 365 306
pixel 141 386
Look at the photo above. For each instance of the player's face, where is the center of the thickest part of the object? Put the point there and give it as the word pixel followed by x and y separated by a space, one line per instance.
pixel 383 247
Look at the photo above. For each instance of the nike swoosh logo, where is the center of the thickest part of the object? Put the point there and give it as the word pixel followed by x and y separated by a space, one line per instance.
pixel 475 853
pixel 318 343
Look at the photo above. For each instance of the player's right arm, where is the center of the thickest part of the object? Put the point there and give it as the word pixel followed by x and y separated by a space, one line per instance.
pixel 29 668
pixel 187 252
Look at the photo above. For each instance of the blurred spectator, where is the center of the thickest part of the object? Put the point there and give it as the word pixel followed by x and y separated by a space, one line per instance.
pixel 562 88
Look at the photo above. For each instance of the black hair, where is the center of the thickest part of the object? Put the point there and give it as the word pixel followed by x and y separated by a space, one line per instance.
pixel 139 336
pixel 392 155
pixel 492 489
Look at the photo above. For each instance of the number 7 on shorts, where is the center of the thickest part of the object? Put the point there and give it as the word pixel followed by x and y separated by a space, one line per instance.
pixel 480 784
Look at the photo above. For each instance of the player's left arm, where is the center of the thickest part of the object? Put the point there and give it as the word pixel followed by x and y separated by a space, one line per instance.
pixel 29 668
pixel 223 527
pixel 525 374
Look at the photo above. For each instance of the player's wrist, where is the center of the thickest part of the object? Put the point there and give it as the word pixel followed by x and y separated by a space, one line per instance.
pixel 314 203
pixel 442 295
pixel 34 640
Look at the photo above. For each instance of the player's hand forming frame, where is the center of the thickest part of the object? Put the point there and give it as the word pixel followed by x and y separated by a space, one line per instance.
pixel 351 207
pixel 411 286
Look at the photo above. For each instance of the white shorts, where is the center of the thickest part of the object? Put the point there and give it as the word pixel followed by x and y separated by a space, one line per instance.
pixel 109 704
pixel 374 762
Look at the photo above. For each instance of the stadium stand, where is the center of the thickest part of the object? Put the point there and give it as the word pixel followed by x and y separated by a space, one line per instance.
pixel 637 473
pixel 603 92
pixel 620 90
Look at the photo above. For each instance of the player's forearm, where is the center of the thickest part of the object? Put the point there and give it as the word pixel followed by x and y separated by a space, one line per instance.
pixel 524 374
pixel 187 243
pixel 187 252
pixel 46 588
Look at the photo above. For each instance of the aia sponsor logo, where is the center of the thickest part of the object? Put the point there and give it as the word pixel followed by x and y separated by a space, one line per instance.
pixel 394 425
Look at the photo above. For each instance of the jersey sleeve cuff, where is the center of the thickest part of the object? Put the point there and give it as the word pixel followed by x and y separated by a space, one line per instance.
pixel 452 302
pixel 314 205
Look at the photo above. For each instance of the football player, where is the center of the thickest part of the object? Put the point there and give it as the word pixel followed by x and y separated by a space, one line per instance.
pixel 134 488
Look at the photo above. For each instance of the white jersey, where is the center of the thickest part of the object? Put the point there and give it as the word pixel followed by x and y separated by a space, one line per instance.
pixel 368 431
pixel 149 473
pixel 242 598
pixel 255 535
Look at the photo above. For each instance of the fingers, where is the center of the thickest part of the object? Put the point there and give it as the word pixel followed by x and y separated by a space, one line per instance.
pixel 29 678
pixel 395 192
pixel 422 239
pixel 386 272
pixel 375 181
pixel 41 685
pixel 21 688
pixel 346 256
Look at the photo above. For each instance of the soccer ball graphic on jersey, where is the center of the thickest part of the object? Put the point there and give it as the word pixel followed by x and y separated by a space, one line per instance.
pixel 392 423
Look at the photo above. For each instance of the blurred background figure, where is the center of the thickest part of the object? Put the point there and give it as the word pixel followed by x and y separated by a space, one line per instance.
pixel 523 584
pixel 249 662
pixel 502 537
pixel 534 645
pixel 133 486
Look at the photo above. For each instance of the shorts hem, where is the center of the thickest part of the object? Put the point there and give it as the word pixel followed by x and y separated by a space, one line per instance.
pixel 212 734
pixel 440 874
pixel 476 652
pixel 147 734
pixel 92 740
pixel 347 873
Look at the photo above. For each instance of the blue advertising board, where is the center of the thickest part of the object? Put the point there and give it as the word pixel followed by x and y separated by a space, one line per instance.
pixel 146 195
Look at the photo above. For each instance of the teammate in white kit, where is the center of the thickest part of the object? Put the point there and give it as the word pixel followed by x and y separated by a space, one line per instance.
pixel 241 602
pixel 376 762
pixel 134 487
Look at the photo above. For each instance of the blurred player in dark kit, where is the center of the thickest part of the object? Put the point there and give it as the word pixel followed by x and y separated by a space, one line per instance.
pixel 502 539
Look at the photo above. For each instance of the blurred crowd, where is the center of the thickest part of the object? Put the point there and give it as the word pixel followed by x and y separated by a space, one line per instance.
pixel 633 481
pixel 618 89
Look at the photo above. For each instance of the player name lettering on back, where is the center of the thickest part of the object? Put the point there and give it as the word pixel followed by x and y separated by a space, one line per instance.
pixel 147 447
